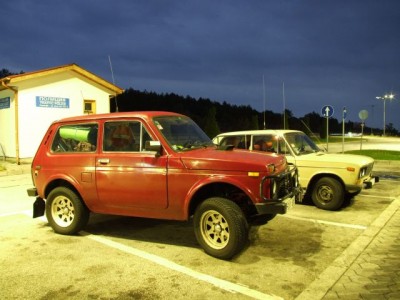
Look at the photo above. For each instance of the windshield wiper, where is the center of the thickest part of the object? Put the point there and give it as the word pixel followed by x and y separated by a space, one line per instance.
pixel 195 145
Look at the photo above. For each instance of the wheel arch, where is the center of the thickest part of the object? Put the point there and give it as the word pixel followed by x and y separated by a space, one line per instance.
pixel 61 183
pixel 225 190
pixel 318 176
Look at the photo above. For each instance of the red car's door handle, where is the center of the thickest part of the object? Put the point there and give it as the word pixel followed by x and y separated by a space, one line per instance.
pixel 103 161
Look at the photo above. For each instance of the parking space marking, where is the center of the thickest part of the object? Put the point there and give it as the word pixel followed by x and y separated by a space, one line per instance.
pixel 220 283
pixel 376 196
pixel 23 212
pixel 353 226
pixel 27 213
pixel 320 286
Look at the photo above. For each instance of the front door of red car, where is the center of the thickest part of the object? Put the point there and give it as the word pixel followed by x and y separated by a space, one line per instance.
pixel 127 177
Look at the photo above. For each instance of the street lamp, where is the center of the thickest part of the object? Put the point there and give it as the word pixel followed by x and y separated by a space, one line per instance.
pixel 389 97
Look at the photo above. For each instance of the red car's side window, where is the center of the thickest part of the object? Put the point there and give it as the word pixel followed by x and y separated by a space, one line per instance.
pixel 125 136
pixel 75 138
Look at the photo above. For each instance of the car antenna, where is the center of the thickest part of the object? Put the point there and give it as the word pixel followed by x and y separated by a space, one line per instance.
pixel 112 75
pixel 284 105
pixel 312 133
pixel 264 98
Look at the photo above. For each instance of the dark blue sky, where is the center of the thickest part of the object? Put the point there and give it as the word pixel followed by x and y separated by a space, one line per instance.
pixel 338 52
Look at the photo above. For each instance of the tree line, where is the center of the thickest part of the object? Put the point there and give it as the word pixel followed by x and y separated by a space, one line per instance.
pixel 215 117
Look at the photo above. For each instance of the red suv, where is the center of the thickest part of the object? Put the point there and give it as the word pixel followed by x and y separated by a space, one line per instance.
pixel 157 165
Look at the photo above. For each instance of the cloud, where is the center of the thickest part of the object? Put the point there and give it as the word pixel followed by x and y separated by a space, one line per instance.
pixel 326 52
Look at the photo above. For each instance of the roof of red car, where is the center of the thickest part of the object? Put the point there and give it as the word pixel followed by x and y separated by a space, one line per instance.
pixel 118 115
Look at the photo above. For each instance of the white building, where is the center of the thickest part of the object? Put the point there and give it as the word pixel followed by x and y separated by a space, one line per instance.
pixel 30 102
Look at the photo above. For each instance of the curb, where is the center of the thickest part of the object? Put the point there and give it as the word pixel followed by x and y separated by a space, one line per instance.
pixel 328 278
pixel 387 163
pixel 14 169
pixel 386 168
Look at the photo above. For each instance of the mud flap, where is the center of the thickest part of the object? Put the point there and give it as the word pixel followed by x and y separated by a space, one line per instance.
pixel 38 207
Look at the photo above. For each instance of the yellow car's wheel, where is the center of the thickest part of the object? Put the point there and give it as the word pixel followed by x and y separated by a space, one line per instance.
pixel 328 194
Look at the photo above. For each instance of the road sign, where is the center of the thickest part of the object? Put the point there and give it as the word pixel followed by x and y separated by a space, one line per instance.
pixel 363 114
pixel 327 111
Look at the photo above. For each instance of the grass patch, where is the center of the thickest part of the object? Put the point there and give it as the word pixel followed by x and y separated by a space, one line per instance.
pixel 2 168
pixel 378 154
pixel 337 139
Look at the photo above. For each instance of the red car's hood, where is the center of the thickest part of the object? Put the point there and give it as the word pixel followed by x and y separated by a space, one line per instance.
pixel 231 160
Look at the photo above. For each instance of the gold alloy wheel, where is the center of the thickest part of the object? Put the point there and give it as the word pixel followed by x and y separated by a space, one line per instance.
pixel 214 229
pixel 62 211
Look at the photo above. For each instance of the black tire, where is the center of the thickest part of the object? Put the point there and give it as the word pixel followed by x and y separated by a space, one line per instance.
pixel 220 227
pixel 328 194
pixel 65 211
pixel 261 220
pixel 353 194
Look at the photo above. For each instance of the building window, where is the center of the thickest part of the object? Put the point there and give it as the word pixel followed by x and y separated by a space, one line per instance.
pixel 89 106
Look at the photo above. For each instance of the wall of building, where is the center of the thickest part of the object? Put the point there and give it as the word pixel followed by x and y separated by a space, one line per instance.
pixel 7 121
pixel 44 100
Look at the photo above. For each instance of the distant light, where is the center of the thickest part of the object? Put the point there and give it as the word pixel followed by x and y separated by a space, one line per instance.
pixel 385 97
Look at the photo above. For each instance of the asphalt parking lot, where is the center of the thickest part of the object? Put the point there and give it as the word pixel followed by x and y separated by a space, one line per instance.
pixel 132 258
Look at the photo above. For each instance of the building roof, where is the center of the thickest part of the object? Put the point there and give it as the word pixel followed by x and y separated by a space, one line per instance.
pixel 13 79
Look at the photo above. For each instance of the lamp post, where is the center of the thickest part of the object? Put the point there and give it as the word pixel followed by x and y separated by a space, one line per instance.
pixel 372 117
pixel 389 97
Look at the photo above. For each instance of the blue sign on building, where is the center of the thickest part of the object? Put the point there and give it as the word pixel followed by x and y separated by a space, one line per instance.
pixel 52 102
pixel 4 103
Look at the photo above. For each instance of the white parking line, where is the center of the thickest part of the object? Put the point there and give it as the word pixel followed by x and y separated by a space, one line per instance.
pixel 326 280
pixel 220 283
pixel 353 226
pixel 22 212
pixel 377 196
